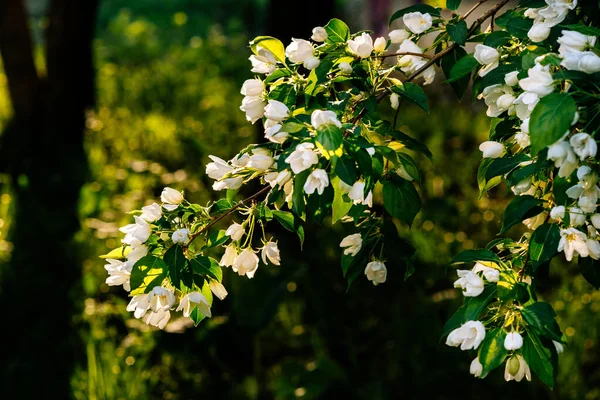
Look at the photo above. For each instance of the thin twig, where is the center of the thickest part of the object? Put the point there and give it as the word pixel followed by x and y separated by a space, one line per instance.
pixel 476 24
pixel 406 53
pixel 473 8
pixel 228 212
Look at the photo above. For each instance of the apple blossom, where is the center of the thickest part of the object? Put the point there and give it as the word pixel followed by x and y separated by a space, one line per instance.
pixel 488 57
pixel 321 117
pixel 302 158
pixel 398 36
pixel 491 149
pixel 270 251
pixel 180 236
pixel 476 368
pixel 352 244
pixel 276 111
pixel 376 272
pixel 319 34
pixel 361 46
pixel 468 336
pixel 136 234
pixel 171 198
pixel 516 369
pixel 151 213
pixel 193 300
pixel 235 231
pixel 417 22
pixel 264 62
pixel 229 256
pixel 253 87
pixel 317 180
pixel 573 241
pixel 584 145
pixel 246 263
pixel 217 289
pixel 345 68
pixel 513 341
pixel 471 284
pixel 380 45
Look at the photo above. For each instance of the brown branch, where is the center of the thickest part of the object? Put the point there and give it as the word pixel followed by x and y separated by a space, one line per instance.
pixel 406 53
pixel 228 212
pixel 473 8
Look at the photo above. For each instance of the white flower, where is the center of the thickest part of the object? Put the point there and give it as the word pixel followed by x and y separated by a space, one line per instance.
pixel 253 87
pixel 522 187
pixel 417 22
pixel 408 63
pixel 486 56
pixel 254 107
pixel 246 263
pixel 471 284
pixel 395 101
pixel 380 45
pixel 260 161
pixel 525 103
pixel 192 300
pixel 491 274
pixel 345 68
pixel 516 369
pixel 229 183
pixel 320 117
pixel 276 111
pixel 576 216
pixel 535 221
pixel 513 341
pixel 539 81
pixel 240 160
pixel 180 236
pixel 275 134
pixel 302 158
pixel 352 244
pixel 235 231
pixel 361 46
pixel 161 298
pixel 584 145
pixel 311 63
pixel 264 62
pixel 135 255
pixel 171 198
pixel 573 241
pixel 317 180
pixel 157 318
pixel 571 42
pixel 376 272
pixel 118 273
pixel 564 158
pixel 559 347
pixel 283 177
pixel 468 336
pixel 139 305
pixel 557 212
pixel 217 288
pixel 398 35
pixel 593 248
pixel 498 98
pixel 586 177
pixel 299 50
pixel 218 168
pixel 428 74
pixel 357 194
pixel 476 368
pixel 491 149
pixel 319 34
pixel 271 251
pixel 538 32
pixel 589 62
pixel 136 234
pixel 151 213
pixel 229 256
pixel 511 79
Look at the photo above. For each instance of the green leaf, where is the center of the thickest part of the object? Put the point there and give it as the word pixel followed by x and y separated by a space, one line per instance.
pixel 492 352
pixel 519 26
pixel 550 119
pixel 345 168
pixel 337 31
pixel 401 200
pixel 501 166
pixel 316 77
pixel 175 260
pixel 329 140
pixel 409 166
pixel 422 8
pixel 590 269
pixel 215 238
pixel 497 39
pixel 202 265
pixel 118 253
pixel 475 255
pixel 544 243
pixel 475 305
pixel 583 29
pixel 484 184
pixel 340 205
pixel 539 358
pixel 410 143
pixel 147 272
pixel 298 202
pixel 542 318
pixel 271 44
pixel 448 61
pixel 413 93
pixel 278 73
pixel 462 68
pixel 290 222
pixel 458 32
pixel 452 4
pixel 454 322
pixel 522 207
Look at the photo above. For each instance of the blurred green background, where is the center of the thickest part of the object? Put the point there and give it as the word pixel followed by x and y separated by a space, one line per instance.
pixel 168 75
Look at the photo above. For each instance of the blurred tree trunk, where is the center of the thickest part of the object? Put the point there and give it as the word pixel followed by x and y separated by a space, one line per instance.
pixel 379 15
pixel 42 150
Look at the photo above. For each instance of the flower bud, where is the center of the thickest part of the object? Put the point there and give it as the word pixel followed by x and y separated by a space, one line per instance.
pixel 319 34
pixel 180 236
